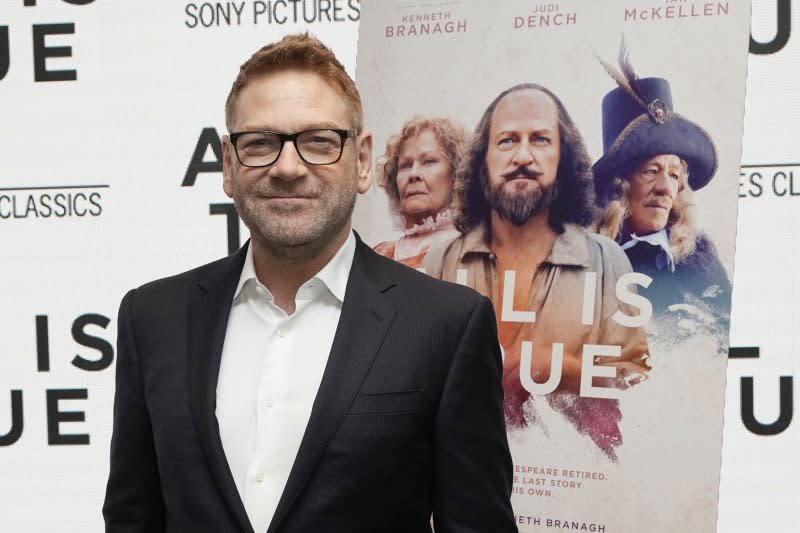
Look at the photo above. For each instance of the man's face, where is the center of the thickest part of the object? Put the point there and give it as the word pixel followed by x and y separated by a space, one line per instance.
pixel 291 203
pixel 522 155
pixel 652 189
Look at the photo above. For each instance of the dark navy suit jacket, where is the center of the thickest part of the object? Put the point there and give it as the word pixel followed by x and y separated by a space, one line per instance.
pixel 407 422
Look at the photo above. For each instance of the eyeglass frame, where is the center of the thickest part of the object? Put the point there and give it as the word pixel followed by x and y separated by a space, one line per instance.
pixel 343 134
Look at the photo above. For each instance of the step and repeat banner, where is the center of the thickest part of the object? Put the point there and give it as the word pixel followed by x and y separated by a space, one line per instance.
pixel 110 176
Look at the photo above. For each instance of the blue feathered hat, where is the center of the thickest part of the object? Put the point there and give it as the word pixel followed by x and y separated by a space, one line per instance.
pixel 639 122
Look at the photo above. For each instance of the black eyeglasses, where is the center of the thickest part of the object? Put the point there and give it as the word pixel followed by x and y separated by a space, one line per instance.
pixel 315 147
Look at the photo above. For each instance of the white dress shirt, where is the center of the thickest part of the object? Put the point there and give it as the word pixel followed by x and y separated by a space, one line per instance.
pixel 271 368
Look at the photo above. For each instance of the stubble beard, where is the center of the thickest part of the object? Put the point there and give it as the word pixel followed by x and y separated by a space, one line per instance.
pixel 518 207
pixel 297 233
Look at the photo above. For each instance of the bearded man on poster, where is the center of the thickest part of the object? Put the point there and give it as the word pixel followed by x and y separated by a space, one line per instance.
pixel 305 383
pixel 523 199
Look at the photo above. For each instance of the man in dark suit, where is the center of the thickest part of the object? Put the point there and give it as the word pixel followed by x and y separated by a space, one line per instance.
pixel 305 384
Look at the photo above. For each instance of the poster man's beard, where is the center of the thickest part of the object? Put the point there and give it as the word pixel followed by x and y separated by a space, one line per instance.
pixel 519 207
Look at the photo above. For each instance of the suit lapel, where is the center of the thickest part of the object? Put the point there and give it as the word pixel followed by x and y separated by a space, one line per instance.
pixel 365 318
pixel 207 322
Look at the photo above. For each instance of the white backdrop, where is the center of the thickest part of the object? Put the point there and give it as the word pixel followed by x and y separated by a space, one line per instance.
pixel 759 484
pixel 92 203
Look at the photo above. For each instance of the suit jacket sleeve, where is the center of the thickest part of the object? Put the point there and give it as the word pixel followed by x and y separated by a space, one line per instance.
pixel 473 476
pixel 133 500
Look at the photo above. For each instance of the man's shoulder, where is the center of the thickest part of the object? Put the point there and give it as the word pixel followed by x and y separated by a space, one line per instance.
pixel 447 254
pixel 704 252
pixel 601 241
pixel 704 258
pixel 412 283
pixel 606 252
pixel 178 288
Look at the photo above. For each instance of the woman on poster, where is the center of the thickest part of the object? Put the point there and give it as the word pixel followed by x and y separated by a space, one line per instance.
pixel 417 174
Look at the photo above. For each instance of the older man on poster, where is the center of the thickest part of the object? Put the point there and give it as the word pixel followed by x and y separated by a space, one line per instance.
pixel 305 384
pixel 524 197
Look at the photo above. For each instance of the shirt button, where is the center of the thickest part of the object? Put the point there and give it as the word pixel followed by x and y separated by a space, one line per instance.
pixel 281 333
pixel 268 402
pixel 260 478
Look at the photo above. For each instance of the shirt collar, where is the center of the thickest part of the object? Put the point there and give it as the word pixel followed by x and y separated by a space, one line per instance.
pixel 476 241
pixel 333 275
pixel 248 270
pixel 659 239
pixel 569 249
pixel 336 273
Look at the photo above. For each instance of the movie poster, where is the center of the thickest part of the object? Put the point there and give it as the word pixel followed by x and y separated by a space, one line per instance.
pixel 577 163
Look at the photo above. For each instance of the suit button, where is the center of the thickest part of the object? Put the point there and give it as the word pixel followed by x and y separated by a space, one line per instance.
pixel 260 478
